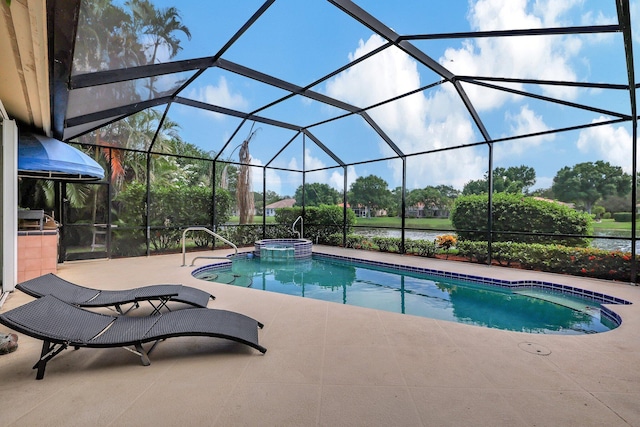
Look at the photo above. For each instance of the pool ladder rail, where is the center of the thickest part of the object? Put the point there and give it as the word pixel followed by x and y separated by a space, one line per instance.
pixel 215 235
pixel 293 227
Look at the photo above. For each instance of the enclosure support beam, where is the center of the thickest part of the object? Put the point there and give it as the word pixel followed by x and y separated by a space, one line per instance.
pixel 344 208
pixel 147 225
pixel 264 202
pixel 213 199
pixel 490 204
pixel 624 19
pixel 304 177
pixel 403 205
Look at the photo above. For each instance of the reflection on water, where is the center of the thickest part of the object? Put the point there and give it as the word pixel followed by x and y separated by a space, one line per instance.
pixel 606 244
pixel 614 244
pixel 421 295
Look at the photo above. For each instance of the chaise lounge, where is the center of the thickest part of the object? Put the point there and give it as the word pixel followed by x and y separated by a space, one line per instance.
pixel 60 325
pixel 50 284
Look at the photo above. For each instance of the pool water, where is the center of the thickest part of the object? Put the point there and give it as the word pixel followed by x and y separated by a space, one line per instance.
pixel 526 310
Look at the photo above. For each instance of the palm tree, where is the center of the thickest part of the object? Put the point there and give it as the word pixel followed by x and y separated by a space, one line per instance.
pixel 159 26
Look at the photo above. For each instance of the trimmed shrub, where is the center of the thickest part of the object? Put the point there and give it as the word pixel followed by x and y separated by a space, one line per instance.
pixel 589 262
pixel 387 244
pixel 173 208
pixel 473 250
pixel 623 217
pixel 425 248
pixel 517 213
pixel 319 222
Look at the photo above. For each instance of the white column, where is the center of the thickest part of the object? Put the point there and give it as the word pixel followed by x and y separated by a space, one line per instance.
pixel 9 201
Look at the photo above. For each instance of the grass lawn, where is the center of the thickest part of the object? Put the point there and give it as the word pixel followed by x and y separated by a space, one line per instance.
pixel 256 220
pixel 610 224
pixel 434 223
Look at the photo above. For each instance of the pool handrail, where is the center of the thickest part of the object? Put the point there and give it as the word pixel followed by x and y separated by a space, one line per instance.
pixel 215 235
pixel 293 227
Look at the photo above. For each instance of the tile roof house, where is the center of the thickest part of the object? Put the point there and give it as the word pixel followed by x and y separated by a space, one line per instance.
pixel 270 209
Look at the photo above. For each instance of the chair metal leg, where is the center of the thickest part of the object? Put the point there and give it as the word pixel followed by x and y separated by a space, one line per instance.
pixel 49 351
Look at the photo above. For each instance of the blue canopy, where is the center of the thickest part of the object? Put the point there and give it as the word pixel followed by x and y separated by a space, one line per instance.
pixel 43 157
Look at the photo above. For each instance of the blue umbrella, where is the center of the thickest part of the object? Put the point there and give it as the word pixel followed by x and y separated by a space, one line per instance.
pixel 43 157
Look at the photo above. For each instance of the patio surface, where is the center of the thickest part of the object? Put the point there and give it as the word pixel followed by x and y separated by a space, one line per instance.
pixel 331 365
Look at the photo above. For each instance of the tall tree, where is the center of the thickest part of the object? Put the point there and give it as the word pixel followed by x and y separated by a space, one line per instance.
pixel 316 194
pixel 440 197
pixel 514 180
pixel 106 38
pixel 159 26
pixel 587 183
pixel 370 191
pixel 476 186
pixel 396 201
pixel 273 197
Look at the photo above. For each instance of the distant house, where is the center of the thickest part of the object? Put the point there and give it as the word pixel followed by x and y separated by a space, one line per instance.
pixel 421 211
pixel 364 211
pixel 270 210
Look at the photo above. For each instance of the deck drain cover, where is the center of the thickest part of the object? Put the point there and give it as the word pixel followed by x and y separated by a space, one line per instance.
pixel 533 348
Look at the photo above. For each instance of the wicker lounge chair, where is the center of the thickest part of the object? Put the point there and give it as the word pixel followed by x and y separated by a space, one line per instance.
pixel 156 295
pixel 60 325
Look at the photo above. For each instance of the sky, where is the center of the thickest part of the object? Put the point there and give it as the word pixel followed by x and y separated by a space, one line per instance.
pixel 302 41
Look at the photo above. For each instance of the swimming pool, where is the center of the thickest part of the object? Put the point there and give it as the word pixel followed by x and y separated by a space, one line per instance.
pixel 534 307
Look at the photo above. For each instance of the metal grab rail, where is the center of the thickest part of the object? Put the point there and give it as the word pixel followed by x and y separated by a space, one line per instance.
pixel 293 227
pixel 184 249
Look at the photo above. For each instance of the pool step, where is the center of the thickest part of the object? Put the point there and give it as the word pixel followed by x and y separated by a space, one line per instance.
pixel 227 278
pixel 593 310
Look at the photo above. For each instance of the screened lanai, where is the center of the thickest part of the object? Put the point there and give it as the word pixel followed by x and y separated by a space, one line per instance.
pixel 286 100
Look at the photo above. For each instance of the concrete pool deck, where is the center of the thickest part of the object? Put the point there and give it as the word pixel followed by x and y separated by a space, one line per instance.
pixel 331 365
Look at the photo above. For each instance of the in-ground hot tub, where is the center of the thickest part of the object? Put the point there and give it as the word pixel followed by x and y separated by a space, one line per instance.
pixel 283 249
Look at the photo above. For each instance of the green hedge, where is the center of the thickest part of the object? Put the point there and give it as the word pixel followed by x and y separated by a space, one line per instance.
pixel 517 213
pixel 623 217
pixel 172 208
pixel 590 262
pixel 319 222
pixel 424 248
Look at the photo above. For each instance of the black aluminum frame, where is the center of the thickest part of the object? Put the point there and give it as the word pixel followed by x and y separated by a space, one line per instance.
pixel 63 20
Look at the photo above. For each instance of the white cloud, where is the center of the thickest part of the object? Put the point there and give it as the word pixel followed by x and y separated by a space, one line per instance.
pixel 607 142
pixel 332 177
pixel 437 118
pixel 221 95
pixel 274 182
pixel 634 10
pixel 416 123
pixel 546 58
pixel 552 11
pixel 336 180
pixel 389 73
pixel 293 164
pixel 524 122
pixel 599 18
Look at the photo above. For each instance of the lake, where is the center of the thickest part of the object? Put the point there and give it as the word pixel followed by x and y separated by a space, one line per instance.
pixel 607 244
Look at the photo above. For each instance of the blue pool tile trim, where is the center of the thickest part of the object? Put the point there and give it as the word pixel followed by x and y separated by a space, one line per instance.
pixel 507 284
pixel 212 267
pixel 302 247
